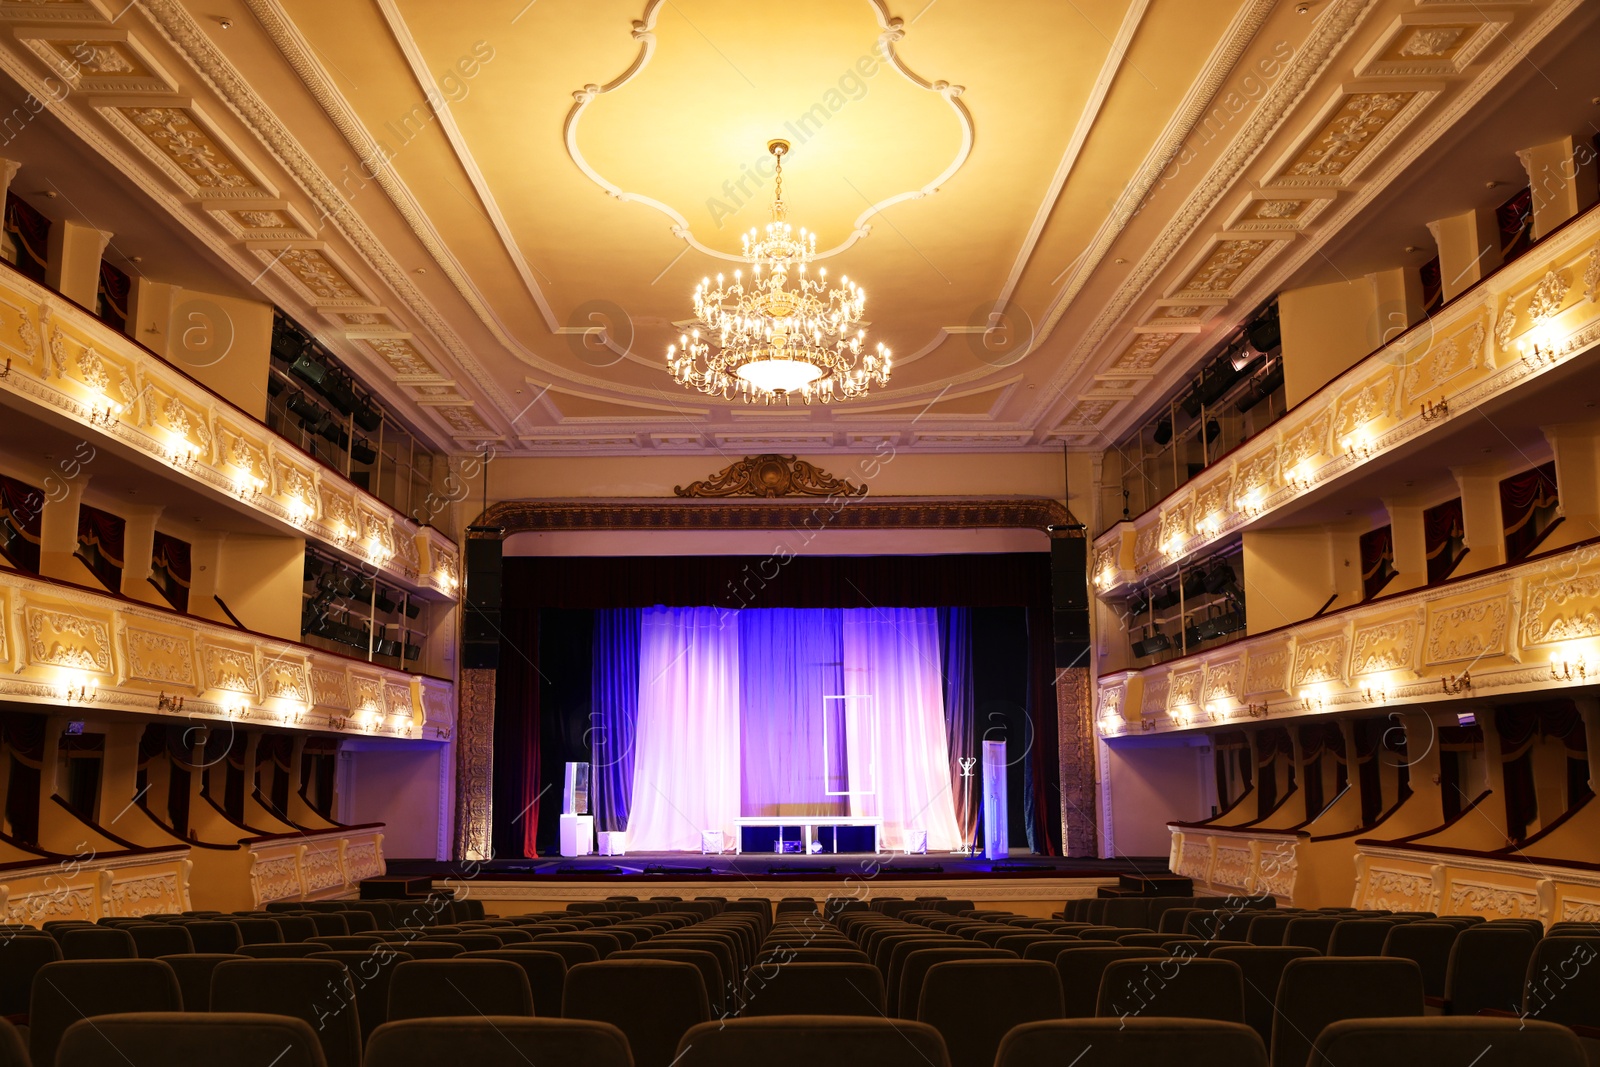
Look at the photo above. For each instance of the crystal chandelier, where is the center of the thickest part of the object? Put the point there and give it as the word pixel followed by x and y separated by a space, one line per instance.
pixel 773 341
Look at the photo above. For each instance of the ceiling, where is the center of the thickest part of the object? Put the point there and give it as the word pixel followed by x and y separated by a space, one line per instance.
pixel 498 209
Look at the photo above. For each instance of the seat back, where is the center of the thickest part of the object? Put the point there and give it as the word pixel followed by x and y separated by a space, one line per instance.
pixel 1482 1042
pixel 1136 1042
pixel 153 940
pixel 1427 944
pixel 1261 969
pixel 257 931
pixel 467 987
pixel 805 1041
pixel 1315 992
pixel 318 991
pixel 97 943
pixel 1311 931
pixel 211 935
pixel 904 997
pixel 974 1003
pixel 185 1039
pixel 1081 969
pixel 545 971
pixel 816 989
pixel 1487 968
pixel 371 971
pixel 497 1041
pixel 1267 927
pixel 69 990
pixel 1562 986
pixel 20 959
pixel 1360 937
pixel 194 976
pixel 653 1002
pixel 1172 988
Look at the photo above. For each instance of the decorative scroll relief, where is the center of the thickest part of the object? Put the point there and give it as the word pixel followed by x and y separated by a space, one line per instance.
pixel 321 868
pixel 1591 276
pixel 1194 857
pixel 61 639
pixel 1231 867
pixel 1155 695
pixel 285 679
pixel 1175 525
pixel 1216 499
pixel 1309 441
pixel 1558 608
pixel 368 694
pixel 58 902
pixel 175 139
pixel 397 701
pixel 141 896
pixel 1370 401
pixel 317 275
pixel 1258 472
pixel 277 878
pixel 438 704
pixel 1385 646
pixel 1320 661
pixel 1548 296
pixel 1338 146
pixel 1468 631
pixel 1267 670
pixel 1430 371
pixel 364 860
pixel 1224 268
pixel 1144 353
pixel 770 475
pixel 1486 898
pixel 1110 702
pixel 1577 910
pixel 329 689
pixel 1222 680
pixel 232 670
pixel 161 658
pixel 1392 889
pixel 1184 689
pixel 1277 869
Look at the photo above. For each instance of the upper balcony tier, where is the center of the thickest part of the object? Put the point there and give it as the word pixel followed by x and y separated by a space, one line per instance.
pixel 66 367
pixel 1538 312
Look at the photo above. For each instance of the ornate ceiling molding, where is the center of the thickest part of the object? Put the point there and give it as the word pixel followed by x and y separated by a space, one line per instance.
pixel 644 32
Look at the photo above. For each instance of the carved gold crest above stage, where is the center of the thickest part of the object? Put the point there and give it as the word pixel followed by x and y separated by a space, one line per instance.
pixel 770 475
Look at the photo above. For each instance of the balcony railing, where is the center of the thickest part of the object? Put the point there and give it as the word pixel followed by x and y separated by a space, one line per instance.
pixel 61 357
pixel 1539 311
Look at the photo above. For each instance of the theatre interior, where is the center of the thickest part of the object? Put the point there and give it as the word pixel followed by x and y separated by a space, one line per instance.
pixel 890 533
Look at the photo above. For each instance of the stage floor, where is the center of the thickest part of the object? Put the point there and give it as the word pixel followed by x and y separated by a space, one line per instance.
pixel 765 866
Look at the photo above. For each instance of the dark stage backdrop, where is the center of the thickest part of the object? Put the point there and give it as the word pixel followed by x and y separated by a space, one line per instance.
pixel 543 706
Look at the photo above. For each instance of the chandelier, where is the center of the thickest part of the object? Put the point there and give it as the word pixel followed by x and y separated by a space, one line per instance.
pixel 784 335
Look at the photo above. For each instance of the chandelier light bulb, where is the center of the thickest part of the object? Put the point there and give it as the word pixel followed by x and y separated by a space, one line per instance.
pixel 775 341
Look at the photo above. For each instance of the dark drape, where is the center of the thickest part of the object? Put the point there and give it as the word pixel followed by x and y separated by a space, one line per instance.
pixel 1042 783
pixel 1272 744
pixel 1444 539
pixel 21 517
pixel 113 297
pixel 564 717
pixel 615 688
pixel 1377 561
pixel 960 715
pixel 169 565
pixel 1370 743
pixel 1528 505
pixel 1318 742
pixel 516 738
pixel 1518 729
pixel 101 537
pixel 1515 219
pixel 23 738
pixel 30 234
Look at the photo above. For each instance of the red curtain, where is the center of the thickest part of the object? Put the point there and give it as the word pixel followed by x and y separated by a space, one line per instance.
pixel 1518 726
pixel 30 233
pixel 113 294
pixel 21 516
pixel 516 736
pixel 1515 218
pixel 1528 503
pixel 1377 561
pixel 170 562
pixel 101 537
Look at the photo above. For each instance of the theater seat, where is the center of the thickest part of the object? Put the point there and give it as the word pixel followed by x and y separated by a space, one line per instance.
pixel 317 991
pixel 545 971
pixel 97 943
pixel 1134 1043
pixel 69 990
pixel 458 987
pixel 1475 1041
pixel 1261 968
pixel 1318 991
pixel 20 959
pixel 815 989
pixel 370 974
pixel 812 1040
pixel 184 1039
pixel 1175 988
pixel 973 1003
pixel 194 971
pixel 654 1002
pixel 497 1041
pixel 13 1053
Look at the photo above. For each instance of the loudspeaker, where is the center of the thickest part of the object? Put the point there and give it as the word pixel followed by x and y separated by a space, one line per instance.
pixel 480 615
pixel 1069 599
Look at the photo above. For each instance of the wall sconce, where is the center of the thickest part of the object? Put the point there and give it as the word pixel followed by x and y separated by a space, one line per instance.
pixel 166 703
pixel 1358 446
pixel 1563 669
pixel 299 510
pixel 1174 546
pixel 6 373
pixel 1374 694
pixel 1432 412
pixel 377 551
pixel 337 722
pixel 1312 700
pixel 1457 683
pixel 449 584
pixel 1250 502
pixel 1302 476
pixel 1147 725
pixel 104 413
pixel 1256 711
pixel 83 691
pixel 1540 348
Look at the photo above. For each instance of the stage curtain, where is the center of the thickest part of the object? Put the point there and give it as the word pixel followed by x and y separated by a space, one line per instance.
pixel 1529 509
pixel 686 763
pixel 516 787
pixel 789 661
pixel 615 716
pixel 960 716
pixel 893 655
pixel 1444 539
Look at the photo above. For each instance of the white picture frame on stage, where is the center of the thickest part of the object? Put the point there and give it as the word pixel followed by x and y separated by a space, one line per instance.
pixel 843 707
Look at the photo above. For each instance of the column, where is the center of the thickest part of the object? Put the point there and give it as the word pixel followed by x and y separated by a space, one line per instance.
pixel 1561 176
pixel 58 530
pixel 1589 708
pixel 1410 544
pixel 119 772
pixel 74 267
pixel 1480 515
pixel 1469 249
pixel 138 549
pixel 1577 456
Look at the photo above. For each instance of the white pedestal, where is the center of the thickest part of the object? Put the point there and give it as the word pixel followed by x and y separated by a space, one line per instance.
pixel 916 842
pixel 577 835
pixel 613 842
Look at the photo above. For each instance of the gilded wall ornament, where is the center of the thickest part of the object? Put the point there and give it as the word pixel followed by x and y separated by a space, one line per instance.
pixel 770 475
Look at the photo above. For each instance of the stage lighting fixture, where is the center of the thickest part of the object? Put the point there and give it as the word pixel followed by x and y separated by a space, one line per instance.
pixel 1163 432
pixel 1264 333
pixel 275 385
pixel 1261 388
pixel 1151 644
pixel 368 417
pixel 1167 598
pixel 307 368
pixel 1219 577
pixel 303 407
pixel 1138 604
pixel 1194 583
pixel 1213 430
pixel 363 452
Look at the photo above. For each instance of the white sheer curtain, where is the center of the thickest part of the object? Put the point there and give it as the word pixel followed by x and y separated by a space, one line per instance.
pixel 892 655
pixel 686 764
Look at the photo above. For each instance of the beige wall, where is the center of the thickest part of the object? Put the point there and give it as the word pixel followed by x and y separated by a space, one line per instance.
pixel 261 579
pixel 1288 574
pixel 398 786
pixel 221 341
pixel 1326 328
pixel 1154 783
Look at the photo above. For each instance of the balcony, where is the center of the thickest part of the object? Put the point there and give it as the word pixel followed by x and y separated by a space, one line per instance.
pixel 83 374
pixel 1535 314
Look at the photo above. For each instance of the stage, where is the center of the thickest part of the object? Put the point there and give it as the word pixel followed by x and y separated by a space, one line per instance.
pixel 1027 884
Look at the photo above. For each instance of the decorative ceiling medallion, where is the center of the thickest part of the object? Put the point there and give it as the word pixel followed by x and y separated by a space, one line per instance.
pixel 1141 356
pixel 96 60
pixel 1359 123
pixel 180 142
pixel 893 30
pixel 770 475
pixel 1431 45
pixel 1224 269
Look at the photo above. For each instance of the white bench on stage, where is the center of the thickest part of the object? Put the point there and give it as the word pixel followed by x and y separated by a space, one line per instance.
pixel 808 824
